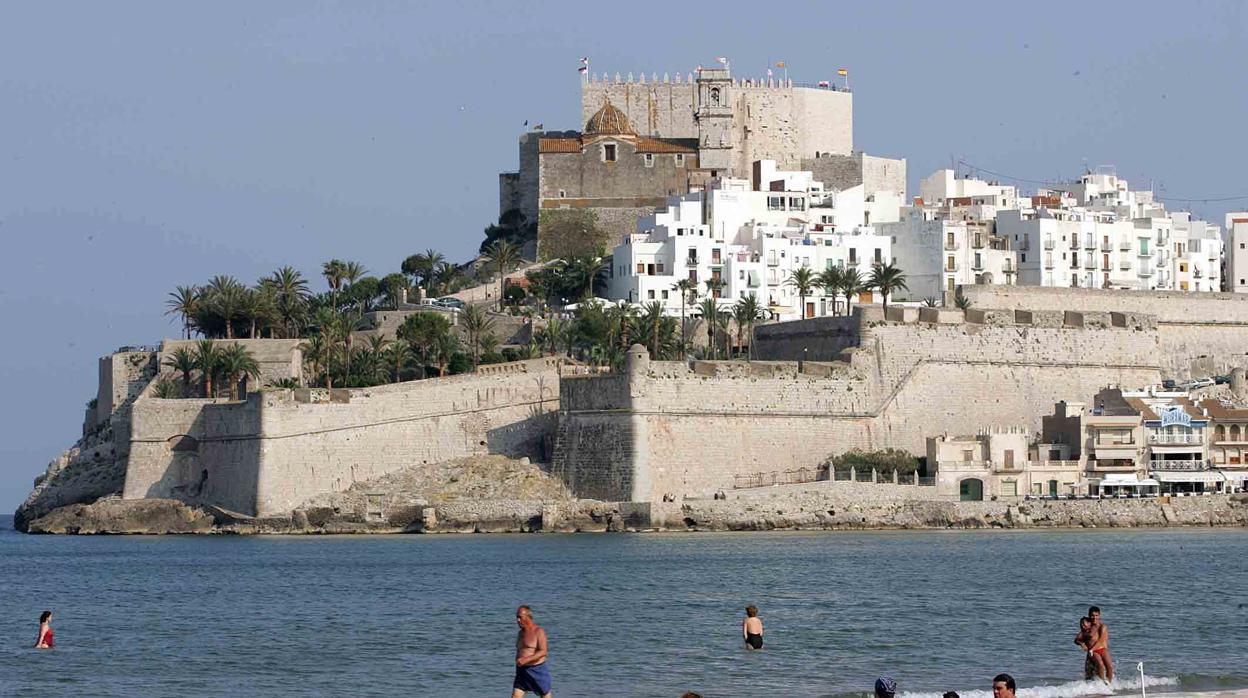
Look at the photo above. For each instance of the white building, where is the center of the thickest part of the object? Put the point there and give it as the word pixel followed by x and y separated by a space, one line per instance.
pixel 1098 233
pixel 1235 254
pixel 949 237
pixel 751 236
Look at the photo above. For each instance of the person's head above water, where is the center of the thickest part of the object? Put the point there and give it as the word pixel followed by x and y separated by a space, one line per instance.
pixel 45 616
pixel 950 694
pixel 885 687
pixel 1003 686
pixel 1085 623
pixel 1094 614
pixel 751 611
pixel 524 615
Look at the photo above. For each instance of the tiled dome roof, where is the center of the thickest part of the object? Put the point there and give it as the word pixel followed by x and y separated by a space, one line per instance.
pixel 609 121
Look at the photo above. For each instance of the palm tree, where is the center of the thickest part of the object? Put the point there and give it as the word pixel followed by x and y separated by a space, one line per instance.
pixel 398 355
pixel 851 285
pixel 207 358
pixel 424 331
pixel 489 345
pixel 714 285
pixel 315 353
pixel 235 362
pixel 224 301
pixel 688 290
pixel 746 312
pixel 423 267
pixel 503 256
pixel 446 278
pixel 291 294
pixel 445 346
pixel 183 361
pixel 394 287
pixel 652 324
pixel 804 280
pixel 353 272
pixel 476 324
pixel 334 271
pixel 579 275
pixel 183 301
pixel 887 278
pixel 329 328
pixel 372 364
pixel 553 334
pixel 710 314
pixel 830 281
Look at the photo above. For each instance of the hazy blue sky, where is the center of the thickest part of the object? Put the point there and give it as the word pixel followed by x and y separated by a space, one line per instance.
pixel 150 144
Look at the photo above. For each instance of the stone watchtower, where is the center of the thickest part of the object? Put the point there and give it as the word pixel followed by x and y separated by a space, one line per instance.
pixel 713 114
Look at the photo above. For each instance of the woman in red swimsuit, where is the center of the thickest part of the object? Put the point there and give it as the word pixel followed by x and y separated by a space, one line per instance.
pixel 45 631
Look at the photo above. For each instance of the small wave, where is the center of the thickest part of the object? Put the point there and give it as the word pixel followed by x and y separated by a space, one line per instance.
pixel 1073 689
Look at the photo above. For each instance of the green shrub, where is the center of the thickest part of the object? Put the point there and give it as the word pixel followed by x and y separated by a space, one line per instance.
pixel 885 461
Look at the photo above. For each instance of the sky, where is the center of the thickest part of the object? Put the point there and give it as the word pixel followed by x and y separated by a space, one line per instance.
pixel 150 144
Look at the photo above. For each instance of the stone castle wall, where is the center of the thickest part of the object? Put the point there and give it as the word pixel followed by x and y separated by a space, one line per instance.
pixel 772 120
pixel 279 448
pixel 689 430
pixel 1199 334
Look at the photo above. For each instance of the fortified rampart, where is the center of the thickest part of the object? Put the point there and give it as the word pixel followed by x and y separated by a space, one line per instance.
pixel 1199 334
pixel 668 430
pixel 278 448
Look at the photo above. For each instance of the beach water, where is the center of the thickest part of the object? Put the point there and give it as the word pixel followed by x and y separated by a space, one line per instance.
pixel 627 615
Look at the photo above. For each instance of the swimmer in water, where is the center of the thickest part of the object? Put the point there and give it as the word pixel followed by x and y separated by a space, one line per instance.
pixel 752 629
pixel 46 641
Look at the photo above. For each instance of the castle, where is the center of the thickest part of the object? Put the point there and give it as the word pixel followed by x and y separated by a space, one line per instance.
pixel 659 430
pixel 647 139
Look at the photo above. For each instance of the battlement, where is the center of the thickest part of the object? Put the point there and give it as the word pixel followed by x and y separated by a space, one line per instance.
pixel 772 82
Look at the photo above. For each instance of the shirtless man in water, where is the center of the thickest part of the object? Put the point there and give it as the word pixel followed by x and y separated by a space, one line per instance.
pixel 532 676
pixel 1100 645
pixel 1092 663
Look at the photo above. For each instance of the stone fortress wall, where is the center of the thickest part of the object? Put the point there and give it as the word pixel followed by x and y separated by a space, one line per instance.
pixel 273 451
pixel 668 430
pixel 771 118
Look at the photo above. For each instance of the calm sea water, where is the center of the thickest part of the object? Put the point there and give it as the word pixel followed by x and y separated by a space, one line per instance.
pixel 627 615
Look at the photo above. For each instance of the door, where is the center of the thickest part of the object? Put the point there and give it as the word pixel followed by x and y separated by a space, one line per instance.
pixel 1053 488
pixel 810 309
pixel 1009 459
pixel 971 490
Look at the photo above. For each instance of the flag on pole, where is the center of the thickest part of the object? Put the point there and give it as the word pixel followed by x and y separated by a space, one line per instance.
pixel 780 64
pixel 842 72
pixel 769 72
pixel 721 60
pixel 584 66
pixel 824 83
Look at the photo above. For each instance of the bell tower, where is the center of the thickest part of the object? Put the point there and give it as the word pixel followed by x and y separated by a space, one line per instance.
pixel 713 115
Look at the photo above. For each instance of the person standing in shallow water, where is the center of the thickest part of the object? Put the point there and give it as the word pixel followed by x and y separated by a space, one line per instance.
pixel 532 676
pixel 752 629
pixel 46 641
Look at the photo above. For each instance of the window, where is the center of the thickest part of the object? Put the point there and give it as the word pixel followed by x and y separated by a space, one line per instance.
pixel 649 159
pixel 1023 257
pixel 715 96
pixel 650 294
pixel 775 203
pixel 563 194
pixel 608 152
pixel 1183 266
pixel 659 267
pixel 879 256
pixel 680 159
pixel 641 267
pixel 664 295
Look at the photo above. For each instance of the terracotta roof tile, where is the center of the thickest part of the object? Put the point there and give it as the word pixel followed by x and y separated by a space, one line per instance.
pixel 1219 411
pixel 667 145
pixel 559 145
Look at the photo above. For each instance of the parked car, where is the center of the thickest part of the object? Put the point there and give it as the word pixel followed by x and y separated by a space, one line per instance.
pixel 449 302
pixel 1222 380
pixel 1169 384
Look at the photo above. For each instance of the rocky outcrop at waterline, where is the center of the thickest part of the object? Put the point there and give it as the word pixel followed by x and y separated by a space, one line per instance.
pixel 120 516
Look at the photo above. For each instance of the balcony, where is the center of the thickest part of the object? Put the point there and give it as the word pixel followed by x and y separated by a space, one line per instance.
pixel 1175 439
pixel 950 268
pixel 1089 244
pixel 1102 465
pixel 1089 264
pixel 1146 271
pixel 1177 465
pixel 1007 268
pixel 952 245
pixel 977 265
pixel 773 262
pixel 1048 264
pixel 1144 253
pixel 853 261
pixel 1107 246
pixel 691 262
pixel 977 242
pixel 1197 273
pixel 1124 264
pixel 1124 247
pixel 1048 244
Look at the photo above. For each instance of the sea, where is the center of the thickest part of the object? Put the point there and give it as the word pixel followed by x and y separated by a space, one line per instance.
pixel 645 615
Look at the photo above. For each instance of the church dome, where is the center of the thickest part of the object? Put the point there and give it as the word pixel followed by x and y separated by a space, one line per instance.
pixel 608 121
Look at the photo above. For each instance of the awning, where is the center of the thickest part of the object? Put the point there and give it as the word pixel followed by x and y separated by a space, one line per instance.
pixel 1189 476
pixel 1234 474
pixel 1125 480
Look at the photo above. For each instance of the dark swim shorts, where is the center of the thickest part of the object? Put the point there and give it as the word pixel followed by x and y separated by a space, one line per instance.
pixel 535 679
